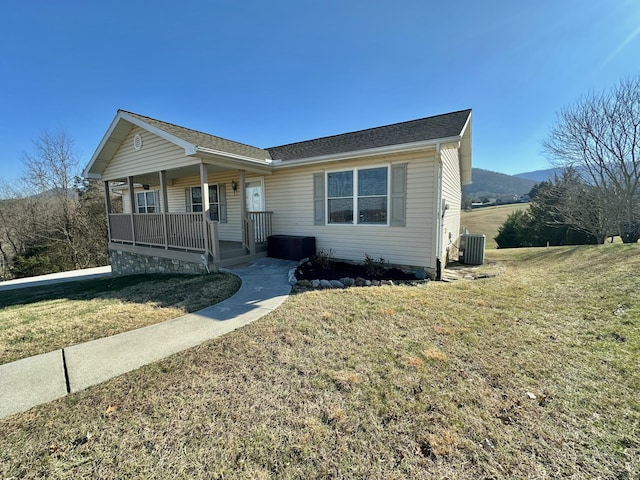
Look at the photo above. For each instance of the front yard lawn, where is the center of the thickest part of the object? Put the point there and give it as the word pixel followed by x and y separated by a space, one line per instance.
pixel 531 374
pixel 42 319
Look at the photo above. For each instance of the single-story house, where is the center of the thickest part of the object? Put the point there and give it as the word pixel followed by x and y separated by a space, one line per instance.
pixel 194 202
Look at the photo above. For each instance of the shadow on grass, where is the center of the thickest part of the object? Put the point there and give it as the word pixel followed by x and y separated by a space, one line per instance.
pixel 165 290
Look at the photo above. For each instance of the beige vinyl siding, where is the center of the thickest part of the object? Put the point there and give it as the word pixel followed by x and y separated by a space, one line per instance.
pixel 155 155
pixel 452 194
pixel 230 231
pixel 289 194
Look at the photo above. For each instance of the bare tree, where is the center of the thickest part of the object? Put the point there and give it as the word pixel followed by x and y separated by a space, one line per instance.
pixel 53 220
pixel 49 171
pixel 14 225
pixel 599 138
pixel 570 202
pixel 70 222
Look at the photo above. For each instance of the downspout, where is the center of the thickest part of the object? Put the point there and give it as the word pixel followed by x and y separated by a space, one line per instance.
pixel 439 213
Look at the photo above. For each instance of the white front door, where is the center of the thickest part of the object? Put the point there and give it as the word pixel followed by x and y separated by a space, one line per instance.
pixel 254 195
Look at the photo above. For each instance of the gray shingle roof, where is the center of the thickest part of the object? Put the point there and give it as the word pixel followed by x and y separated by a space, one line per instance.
pixel 423 129
pixel 204 140
pixel 430 128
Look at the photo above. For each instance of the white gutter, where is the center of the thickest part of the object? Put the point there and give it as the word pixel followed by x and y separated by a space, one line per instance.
pixel 210 151
pixel 369 152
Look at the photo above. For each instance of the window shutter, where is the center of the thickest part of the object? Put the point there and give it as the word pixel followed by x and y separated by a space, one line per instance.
pixel 398 195
pixel 187 199
pixel 318 198
pixel 222 202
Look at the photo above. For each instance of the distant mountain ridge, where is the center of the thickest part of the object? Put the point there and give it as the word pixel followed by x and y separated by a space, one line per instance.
pixel 496 185
pixel 540 175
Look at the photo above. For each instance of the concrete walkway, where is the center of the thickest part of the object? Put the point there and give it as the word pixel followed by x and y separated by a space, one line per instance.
pixel 36 380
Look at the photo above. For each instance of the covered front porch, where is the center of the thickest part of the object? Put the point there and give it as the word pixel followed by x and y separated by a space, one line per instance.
pixel 159 220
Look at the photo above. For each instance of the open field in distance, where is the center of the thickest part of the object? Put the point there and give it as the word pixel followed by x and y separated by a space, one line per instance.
pixel 487 220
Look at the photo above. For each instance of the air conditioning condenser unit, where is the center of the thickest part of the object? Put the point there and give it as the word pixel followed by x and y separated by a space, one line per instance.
pixel 472 249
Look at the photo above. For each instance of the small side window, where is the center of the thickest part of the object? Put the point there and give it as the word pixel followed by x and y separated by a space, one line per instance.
pixel 146 202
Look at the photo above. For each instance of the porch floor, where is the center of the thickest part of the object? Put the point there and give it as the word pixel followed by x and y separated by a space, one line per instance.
pixel 230 249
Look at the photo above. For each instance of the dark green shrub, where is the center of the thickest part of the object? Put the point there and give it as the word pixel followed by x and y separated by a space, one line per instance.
pixel 515 231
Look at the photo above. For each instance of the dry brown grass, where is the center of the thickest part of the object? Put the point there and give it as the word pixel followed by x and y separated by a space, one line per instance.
pixel 42 319
pixel 487 220
pixel 324 387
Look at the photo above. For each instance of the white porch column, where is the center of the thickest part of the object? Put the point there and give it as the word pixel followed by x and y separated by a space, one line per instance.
pixel 107 204
pixel 204 184
pixel 132 201
pixel 164 206
pixel 243 208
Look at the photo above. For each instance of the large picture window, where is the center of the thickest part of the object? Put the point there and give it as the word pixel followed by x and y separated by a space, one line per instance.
pixel 364 191
pixel 146 202
pixel 194 201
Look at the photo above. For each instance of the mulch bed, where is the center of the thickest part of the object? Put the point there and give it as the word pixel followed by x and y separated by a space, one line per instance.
pixel 312 270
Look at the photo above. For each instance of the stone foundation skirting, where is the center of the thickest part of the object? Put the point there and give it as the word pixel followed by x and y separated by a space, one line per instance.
pixel 129 263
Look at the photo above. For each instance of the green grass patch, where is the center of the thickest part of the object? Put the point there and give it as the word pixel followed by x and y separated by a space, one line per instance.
pixel 531 374
pixel 42 319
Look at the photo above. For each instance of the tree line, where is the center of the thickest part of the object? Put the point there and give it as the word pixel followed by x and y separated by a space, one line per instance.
pixel 596 144
pixel 51 220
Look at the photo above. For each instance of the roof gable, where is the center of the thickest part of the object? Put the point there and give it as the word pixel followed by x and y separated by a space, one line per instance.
pixel 424 129
pixel 192 141
pixel 203 140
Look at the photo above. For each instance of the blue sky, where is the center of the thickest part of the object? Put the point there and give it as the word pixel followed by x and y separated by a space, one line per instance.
pixel 274 72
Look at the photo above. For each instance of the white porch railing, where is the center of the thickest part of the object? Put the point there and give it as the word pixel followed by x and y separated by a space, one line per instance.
pixel 149 228
pixel 262 224
pixel 169 230
pixel 257 228
pixel 121 227
pixel 183 230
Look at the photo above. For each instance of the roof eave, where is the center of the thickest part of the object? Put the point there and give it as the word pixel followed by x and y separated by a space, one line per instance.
pixel 236 156
pixel 237 160
pixel 466 152
pixel 87 173
pixel 369 152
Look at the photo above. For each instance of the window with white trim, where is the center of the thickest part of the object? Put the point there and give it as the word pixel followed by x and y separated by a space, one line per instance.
pixel 146 202
pixel 194 201
pixel 361 190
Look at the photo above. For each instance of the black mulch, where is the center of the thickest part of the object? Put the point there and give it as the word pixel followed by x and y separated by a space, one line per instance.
pixel 312 270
